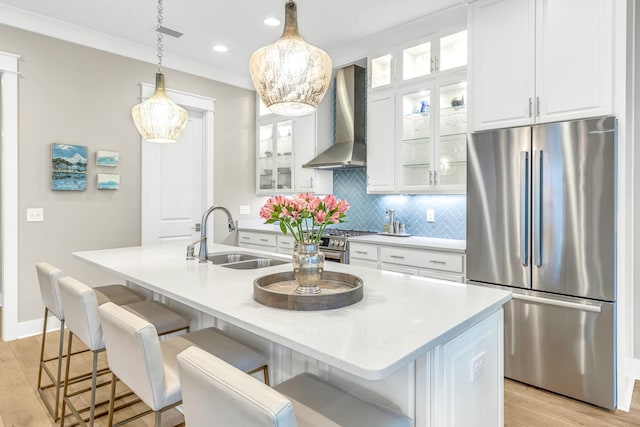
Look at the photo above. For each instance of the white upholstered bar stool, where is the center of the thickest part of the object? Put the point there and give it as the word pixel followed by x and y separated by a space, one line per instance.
pixel 48 276
pixel 80 303
pixel 149 367
pixel 215 394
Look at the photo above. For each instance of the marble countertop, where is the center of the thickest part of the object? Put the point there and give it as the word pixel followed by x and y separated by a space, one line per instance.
pixel 399 318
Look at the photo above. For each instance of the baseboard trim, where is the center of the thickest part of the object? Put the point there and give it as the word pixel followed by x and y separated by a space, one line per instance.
pixel 34 327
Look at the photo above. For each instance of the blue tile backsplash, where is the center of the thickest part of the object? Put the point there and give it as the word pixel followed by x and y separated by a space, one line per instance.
pixel 367 211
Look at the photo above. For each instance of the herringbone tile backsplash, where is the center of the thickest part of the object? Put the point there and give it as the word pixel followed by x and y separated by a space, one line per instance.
pixel 367 211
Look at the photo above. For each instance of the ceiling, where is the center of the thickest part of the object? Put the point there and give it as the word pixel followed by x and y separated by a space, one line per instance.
pixel 238 24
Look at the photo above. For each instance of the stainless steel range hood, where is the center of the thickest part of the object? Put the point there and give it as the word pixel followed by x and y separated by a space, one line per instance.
pixel 349 149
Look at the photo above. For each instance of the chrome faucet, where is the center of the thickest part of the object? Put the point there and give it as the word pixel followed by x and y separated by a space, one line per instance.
pixel 203 232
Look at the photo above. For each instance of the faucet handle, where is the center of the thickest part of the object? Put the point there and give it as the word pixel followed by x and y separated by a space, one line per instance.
pixel 191 254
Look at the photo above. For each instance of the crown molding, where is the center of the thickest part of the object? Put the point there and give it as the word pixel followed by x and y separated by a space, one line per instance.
pixel 50 27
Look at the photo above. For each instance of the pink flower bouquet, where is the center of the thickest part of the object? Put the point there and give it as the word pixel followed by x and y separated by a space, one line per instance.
pixel 305 216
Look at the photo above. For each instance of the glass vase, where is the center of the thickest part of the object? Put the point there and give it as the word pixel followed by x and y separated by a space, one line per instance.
pixel 308 264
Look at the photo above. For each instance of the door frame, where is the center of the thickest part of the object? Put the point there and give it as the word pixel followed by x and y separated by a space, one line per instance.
pixel 9 215
pixel 192 102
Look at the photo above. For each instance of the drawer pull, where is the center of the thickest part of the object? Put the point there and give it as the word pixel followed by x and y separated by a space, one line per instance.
pixel 437 262
pixel 246 237
pixel 396 256
pixel 362 252
pixel 264 240
pixel 285 243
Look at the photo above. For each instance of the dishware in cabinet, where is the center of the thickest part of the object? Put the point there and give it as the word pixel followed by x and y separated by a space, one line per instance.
pixel 431 140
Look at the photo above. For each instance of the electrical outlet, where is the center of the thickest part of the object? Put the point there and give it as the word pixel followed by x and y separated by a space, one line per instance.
pixel 431 215
pixel 478 366
pixel 245 210
pixel 35 214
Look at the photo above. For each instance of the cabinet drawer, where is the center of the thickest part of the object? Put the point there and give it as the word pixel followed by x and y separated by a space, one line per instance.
pixel 263 239
pixel 363 251
pixel 285 244
pixel 422 258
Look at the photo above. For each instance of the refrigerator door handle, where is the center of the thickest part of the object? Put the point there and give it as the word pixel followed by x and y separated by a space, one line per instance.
pixel 524 207
pixel 558 303
pixel 537 204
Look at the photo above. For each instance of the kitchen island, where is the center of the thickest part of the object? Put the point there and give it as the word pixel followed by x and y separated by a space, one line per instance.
pixel 432 349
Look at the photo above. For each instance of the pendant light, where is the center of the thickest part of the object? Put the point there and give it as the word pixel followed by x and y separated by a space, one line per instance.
pixel 290 76
pixel 158 119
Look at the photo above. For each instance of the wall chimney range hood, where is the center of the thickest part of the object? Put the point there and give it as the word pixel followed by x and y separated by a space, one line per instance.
pixel 349 149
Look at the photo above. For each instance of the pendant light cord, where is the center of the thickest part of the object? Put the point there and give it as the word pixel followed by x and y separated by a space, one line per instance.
pixel 159 36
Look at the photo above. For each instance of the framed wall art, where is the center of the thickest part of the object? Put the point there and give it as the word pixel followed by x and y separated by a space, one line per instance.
pixel 69 167
pixel 108 181
pixel 107 158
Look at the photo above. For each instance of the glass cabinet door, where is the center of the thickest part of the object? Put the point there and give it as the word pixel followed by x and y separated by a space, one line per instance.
pixel 451 152
pixel 275 159
pixel 284 160
pixel 453 51
pixel 417 61
pixel 381 70
pixel 265 156
pixel 416 149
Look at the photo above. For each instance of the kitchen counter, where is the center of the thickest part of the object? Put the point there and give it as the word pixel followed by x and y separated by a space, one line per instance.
pixel 400 321
pixel 417 242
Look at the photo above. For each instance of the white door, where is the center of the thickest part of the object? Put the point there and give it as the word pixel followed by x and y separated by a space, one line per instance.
pixel 177 179
pixel 172 201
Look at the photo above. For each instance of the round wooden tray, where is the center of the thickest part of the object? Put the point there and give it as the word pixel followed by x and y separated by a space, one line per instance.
pixel 336 290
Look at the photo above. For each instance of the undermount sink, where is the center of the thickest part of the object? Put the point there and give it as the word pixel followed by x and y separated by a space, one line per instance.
pixel 254 263
pixel 243 261
pixel 230 257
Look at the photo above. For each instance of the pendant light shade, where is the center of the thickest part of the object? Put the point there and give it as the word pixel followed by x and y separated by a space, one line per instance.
pixel 158 119
pixel 290 76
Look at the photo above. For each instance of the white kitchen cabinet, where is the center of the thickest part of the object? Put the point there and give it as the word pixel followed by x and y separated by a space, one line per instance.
pixel 417 117
pixel 439 53
pixel 537 61
pixel 381 142
pixel 257 240
pixel 284 145
pixel 285 244
pixel 437 264
pixel 432 138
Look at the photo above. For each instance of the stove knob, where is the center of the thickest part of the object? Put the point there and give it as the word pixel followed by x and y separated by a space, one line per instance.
pixel 332 242
pixel 342 243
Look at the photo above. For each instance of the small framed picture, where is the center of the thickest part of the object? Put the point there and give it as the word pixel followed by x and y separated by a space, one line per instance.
pixel 107 158
pixel 108 181
pixel 69 167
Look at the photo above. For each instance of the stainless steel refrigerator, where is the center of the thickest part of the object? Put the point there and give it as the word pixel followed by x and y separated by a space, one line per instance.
pixel 541 208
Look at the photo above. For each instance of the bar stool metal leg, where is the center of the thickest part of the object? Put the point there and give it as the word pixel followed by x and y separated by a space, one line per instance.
pixel 55 381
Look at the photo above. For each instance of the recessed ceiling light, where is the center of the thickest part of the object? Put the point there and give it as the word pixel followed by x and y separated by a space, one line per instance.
pixel 220 48
pixel 272 22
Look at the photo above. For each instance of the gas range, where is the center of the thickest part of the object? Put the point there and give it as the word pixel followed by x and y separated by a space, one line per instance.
pixel 334 243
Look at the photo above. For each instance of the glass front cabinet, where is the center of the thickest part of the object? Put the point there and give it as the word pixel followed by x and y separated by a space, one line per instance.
pixel 283 145
pixel 275 159
pixel 430 114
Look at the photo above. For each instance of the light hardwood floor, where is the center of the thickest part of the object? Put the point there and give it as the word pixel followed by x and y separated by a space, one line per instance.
pixel 527 406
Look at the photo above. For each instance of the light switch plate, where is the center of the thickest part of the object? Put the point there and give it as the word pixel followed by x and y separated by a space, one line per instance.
pixel 35 214
pixel 431 215
pixel 245 210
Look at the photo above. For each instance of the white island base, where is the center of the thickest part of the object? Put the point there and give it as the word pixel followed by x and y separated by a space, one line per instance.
pixel 430 349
